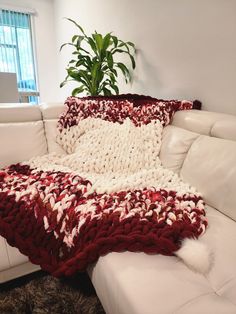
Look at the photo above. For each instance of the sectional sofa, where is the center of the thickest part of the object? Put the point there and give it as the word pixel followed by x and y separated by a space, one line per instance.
pixel 201 147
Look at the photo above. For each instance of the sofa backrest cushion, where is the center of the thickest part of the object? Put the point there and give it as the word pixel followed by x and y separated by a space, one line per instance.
pixel 52 110
pixel 22 134
pixel 51 133
pixel 21 112
pixel 51 113
pixel 225 129
pixel 210 166
pixel 203 122
pixel 201 147
pixel 176 142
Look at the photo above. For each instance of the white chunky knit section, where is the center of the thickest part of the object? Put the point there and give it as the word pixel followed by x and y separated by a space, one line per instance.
pixel 113 156
pixel 98 135
pixel 102 146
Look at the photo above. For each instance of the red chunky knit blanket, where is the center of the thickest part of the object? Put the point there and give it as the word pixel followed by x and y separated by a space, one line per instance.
pixel 63 212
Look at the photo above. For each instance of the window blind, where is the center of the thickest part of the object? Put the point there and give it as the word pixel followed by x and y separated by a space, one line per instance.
pixel 16 49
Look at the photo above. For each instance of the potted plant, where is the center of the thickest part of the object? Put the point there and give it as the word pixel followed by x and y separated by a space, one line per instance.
pixel 94 65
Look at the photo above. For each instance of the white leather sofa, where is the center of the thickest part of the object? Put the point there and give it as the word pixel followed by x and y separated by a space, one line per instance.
pixel 201 147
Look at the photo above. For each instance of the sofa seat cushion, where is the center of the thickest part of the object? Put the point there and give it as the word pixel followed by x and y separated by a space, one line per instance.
pixel 137 283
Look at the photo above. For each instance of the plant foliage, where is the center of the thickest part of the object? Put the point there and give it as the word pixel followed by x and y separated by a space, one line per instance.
pixel 94 66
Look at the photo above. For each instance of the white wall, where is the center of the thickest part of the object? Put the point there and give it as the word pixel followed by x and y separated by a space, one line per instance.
pixel 44 30
pixel 187 48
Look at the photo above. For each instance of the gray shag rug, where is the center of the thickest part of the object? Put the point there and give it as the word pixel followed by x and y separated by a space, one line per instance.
pixel 46 294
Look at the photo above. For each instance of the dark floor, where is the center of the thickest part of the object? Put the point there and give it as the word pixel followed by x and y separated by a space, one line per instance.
pixel 41 293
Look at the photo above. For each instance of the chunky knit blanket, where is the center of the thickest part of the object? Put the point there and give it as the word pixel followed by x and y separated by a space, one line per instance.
pixel 108 192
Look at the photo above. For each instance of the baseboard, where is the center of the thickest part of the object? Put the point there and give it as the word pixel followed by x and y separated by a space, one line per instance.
pixel 18 271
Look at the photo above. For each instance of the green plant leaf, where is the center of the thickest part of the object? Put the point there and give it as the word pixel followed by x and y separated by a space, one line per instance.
pixel 123 44
pixel 115 88
pixel 85 75
pixel 77 90
pixel 115 41
pixel 81 63
pixel 76 24
pixel 100 75
pixel 112 77
pixel 94 69
pixel 95 76
pixel 99 41
pixel 82 49
pixel 132 61
pixel 78 76
pixel 110 61
pixel 114 72
pixel 124 70
pixel 106 42
pixel 129 54
pixel 69 44
pixel 130 44
pixel 72 61
pixel 63 83
pixel 79 41
pixel 117 50
pixel 72 72
pixel 104 67
pixel 74 38
pixel 106 92
pixel 92 44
